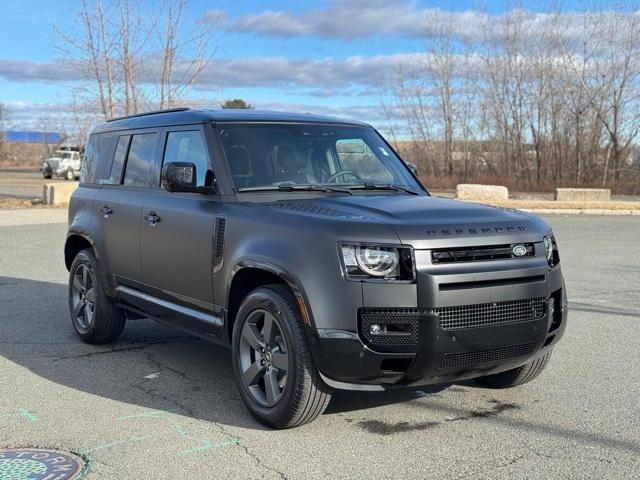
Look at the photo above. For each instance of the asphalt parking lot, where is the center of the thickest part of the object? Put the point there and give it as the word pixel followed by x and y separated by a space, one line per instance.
pixel 161 404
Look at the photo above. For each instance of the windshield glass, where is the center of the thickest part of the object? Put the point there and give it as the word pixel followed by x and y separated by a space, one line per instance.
pixel 66 155
pixel 268 156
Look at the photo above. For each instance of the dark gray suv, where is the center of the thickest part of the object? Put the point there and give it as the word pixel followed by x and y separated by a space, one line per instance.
pixel 310 248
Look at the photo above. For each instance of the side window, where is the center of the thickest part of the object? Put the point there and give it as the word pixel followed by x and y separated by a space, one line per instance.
pixel 115 177
pixel 91 159
pixel 355 155
pixel 140 160
pixel 188 146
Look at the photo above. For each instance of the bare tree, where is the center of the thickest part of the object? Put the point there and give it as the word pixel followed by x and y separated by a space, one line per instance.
pixel 135 55
pixel 529 101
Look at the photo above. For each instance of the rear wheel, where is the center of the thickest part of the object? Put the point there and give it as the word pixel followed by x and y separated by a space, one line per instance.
pixel 94 315
pixel 517 376
pixel 275 372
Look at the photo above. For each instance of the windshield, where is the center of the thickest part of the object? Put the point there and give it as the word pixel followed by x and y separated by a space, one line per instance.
pixel 271 156
pixel 65 155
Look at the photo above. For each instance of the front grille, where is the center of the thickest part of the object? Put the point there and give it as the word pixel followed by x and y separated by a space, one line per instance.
pixel 490 314
pixel 477 254
pixel 399 328
pixel 453 360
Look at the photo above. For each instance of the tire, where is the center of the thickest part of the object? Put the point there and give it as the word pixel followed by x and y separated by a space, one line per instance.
pixel 517 376
pixel 69 175
pixel 298 395
pixel 46 175
pixel 94 315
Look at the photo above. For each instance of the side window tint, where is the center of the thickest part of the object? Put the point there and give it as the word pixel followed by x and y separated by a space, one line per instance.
pixel 140 160
pixel 188 146
pixel 91 158
pixel 118 160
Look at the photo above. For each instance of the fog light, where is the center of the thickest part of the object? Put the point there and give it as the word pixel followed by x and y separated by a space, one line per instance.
pixel 375 329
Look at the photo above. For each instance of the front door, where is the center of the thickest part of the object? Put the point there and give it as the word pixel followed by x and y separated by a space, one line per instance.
pixel 177 237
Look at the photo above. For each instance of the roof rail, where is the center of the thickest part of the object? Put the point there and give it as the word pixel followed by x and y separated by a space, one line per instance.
pixel 154 112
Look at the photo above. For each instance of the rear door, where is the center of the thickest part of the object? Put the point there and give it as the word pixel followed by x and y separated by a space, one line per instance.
pixel 178 232
pixel 120 202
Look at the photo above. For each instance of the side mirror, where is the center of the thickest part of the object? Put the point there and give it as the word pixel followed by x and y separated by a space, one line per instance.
pixel 181 177
pixel 413 167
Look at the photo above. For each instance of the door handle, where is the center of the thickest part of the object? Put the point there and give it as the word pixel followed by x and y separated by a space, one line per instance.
pixel 152 218
pixel 106 210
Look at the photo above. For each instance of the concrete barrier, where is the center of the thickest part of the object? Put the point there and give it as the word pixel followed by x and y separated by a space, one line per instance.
pixel 583 194
pixel 58 193
pixel 469 191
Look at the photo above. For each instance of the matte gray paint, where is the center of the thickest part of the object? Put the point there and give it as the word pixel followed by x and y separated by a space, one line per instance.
pixel 173 259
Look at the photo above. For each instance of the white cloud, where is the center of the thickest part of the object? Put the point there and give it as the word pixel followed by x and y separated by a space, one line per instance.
pixel 363 19
pixel 320 76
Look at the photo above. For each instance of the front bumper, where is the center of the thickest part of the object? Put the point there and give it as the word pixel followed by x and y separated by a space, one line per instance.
pixel 347 360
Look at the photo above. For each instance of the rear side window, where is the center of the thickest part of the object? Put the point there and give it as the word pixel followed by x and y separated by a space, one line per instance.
pixel 97 155
pixel 91 160
pixel 140 160
pixel 115 176
pixel 188 146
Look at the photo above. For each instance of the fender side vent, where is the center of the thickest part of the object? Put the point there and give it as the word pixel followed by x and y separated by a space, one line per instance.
pixel 218 241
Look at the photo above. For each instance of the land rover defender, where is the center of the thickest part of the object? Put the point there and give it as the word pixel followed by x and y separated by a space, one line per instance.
pixel 311 249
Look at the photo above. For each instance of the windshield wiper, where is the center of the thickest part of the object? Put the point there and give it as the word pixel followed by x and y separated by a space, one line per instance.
pixel 296 188
pixel 385 186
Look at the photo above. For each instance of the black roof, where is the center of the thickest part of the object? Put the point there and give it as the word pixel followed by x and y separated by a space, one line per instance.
pixel 184 116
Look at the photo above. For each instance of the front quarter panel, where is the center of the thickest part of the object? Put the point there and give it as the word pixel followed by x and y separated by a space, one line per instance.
pixel 304 246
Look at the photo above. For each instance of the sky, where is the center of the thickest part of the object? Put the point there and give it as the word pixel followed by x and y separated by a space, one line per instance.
pixel 325 57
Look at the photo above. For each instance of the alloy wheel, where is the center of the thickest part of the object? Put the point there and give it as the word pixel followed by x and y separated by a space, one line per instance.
pixel 83 296
pixel 263 357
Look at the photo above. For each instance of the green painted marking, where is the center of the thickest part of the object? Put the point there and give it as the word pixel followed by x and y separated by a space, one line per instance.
pixel 208 445
pixel 121 442
pixel 32 417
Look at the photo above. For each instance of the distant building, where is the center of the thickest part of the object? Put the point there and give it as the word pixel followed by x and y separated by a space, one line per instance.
pixel 32 137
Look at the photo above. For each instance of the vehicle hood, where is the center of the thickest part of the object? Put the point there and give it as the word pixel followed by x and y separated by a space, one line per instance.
pixel 431 222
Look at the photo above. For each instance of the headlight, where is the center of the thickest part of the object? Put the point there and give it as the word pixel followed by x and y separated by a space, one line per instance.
pixel 371 261
pixel 551 250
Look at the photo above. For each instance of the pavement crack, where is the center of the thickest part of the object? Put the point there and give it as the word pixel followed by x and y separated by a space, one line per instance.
pixel 261 464
pixel 115 349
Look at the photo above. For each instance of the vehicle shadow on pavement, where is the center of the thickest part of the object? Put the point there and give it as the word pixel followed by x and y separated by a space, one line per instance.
pixel 149 367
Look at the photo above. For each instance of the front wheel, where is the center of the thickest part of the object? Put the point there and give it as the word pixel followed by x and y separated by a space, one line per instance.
pixel 69 175
pixel 517 376
pixel 274 370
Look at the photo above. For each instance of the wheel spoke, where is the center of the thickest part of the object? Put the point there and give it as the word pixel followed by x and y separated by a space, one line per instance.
pixel 269 328
pixel 77 308
pixel 280 361
pixel 253 374
pixel 88 313
pixel 252 336
pixel 77 283
pixel 85 277
pixel 271 386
